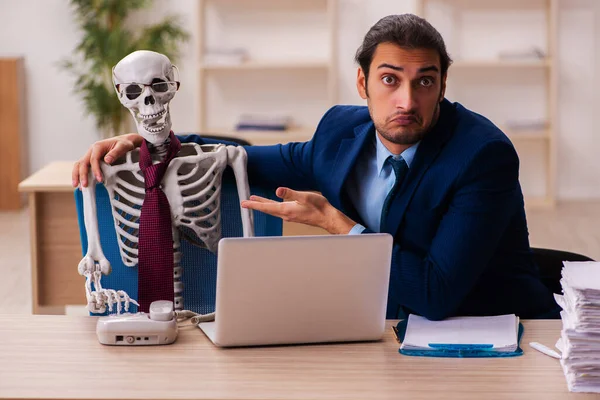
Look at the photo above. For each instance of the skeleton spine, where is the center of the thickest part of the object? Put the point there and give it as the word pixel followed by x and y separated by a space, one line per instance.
pixel 177 271
pixel 160 149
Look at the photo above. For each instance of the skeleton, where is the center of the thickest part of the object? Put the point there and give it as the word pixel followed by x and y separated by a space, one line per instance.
pixel 145 84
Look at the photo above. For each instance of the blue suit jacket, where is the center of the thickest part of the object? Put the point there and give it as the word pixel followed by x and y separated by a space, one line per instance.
pixel 458 221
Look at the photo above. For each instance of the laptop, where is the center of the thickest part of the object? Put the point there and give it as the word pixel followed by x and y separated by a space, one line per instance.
pixel 300 289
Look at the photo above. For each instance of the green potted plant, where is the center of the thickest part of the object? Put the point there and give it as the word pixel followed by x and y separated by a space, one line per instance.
pixel 106 40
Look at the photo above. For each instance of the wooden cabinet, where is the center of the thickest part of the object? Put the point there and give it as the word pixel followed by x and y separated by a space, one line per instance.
pixel 12 131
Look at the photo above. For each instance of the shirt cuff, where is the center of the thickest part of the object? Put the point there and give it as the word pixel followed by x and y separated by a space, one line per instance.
pixel 356 229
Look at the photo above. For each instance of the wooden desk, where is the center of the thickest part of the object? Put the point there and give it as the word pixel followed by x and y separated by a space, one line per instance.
pixel 55 243
pixel 60 357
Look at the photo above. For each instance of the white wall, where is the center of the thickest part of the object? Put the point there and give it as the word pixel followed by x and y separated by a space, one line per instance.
pixel 56 128
pixel 59 131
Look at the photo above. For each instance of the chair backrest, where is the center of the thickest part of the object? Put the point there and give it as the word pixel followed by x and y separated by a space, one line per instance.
pixel 226 139
pixel 550 264
pixel 199 265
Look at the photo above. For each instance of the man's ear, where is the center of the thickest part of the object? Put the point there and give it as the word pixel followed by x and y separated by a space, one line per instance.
pixel 443 88
pixel 361 84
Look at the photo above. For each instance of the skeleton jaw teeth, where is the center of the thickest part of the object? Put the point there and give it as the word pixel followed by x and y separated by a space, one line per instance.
pixel 154 123
pixel 152 116
pixel 155 129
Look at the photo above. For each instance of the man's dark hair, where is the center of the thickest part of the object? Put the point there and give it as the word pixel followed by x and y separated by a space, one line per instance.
pixel 405 30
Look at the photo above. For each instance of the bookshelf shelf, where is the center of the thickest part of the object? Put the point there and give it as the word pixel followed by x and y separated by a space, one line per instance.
pixel 267 65
pixel 466 64
pixel 528 135
pixel 260 137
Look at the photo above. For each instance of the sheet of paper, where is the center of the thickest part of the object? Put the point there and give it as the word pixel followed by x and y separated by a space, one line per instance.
pixel 498 331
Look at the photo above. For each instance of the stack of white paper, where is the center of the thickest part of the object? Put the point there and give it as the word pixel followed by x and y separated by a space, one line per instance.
pixel 580 336
pixel 496 333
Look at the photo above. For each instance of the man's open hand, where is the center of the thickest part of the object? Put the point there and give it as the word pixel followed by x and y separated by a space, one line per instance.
pixel 303 207
pixel 108 150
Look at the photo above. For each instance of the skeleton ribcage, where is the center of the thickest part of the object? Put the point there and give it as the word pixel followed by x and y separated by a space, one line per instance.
pixel 192 185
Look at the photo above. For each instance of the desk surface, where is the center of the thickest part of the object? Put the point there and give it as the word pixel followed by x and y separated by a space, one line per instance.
pixel 59 357
pixel 54 177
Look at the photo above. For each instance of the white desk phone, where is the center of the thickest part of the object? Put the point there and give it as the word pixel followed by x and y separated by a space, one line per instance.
pixel 139 329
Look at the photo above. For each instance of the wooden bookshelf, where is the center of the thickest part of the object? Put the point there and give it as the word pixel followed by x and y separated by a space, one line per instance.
pixel 274 34
pixel 451 15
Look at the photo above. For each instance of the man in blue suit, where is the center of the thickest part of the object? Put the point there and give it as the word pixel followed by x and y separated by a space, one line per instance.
pixel 441 179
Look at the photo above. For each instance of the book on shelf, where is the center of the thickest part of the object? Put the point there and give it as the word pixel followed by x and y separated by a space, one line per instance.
pixel 531 54
pixel 250 122
pixel 521 125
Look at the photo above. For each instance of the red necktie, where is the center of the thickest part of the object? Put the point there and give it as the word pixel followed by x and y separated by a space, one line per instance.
pixel 155 237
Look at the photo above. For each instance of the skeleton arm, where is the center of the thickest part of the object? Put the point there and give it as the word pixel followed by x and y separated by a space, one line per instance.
pixel 236 159
pixel 95 264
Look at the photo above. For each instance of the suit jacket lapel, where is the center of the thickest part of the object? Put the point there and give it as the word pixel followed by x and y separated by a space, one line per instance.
pixel 345 160
pixel 428 150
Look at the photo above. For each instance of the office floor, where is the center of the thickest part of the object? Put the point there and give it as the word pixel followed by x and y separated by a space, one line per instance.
pixel 573 226
pixel 15 265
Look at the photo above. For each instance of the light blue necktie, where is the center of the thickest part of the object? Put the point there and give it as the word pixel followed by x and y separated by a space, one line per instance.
pixel 400 169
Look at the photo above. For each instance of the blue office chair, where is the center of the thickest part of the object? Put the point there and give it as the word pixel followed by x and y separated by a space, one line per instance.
pixel 199 265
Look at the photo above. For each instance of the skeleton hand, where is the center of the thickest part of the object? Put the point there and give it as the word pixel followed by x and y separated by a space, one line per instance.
pixel 303 207
pixel 93 266
pixel 99 299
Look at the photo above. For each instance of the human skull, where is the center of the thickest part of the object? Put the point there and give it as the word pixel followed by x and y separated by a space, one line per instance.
pixel 145 84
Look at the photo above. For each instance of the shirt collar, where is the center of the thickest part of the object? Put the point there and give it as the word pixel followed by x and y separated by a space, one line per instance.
pixel 383 153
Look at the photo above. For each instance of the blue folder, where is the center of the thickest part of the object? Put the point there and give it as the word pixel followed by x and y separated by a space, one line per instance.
pixel 456 350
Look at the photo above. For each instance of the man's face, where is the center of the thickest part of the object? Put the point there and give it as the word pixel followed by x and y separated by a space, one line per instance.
pixel 403 92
